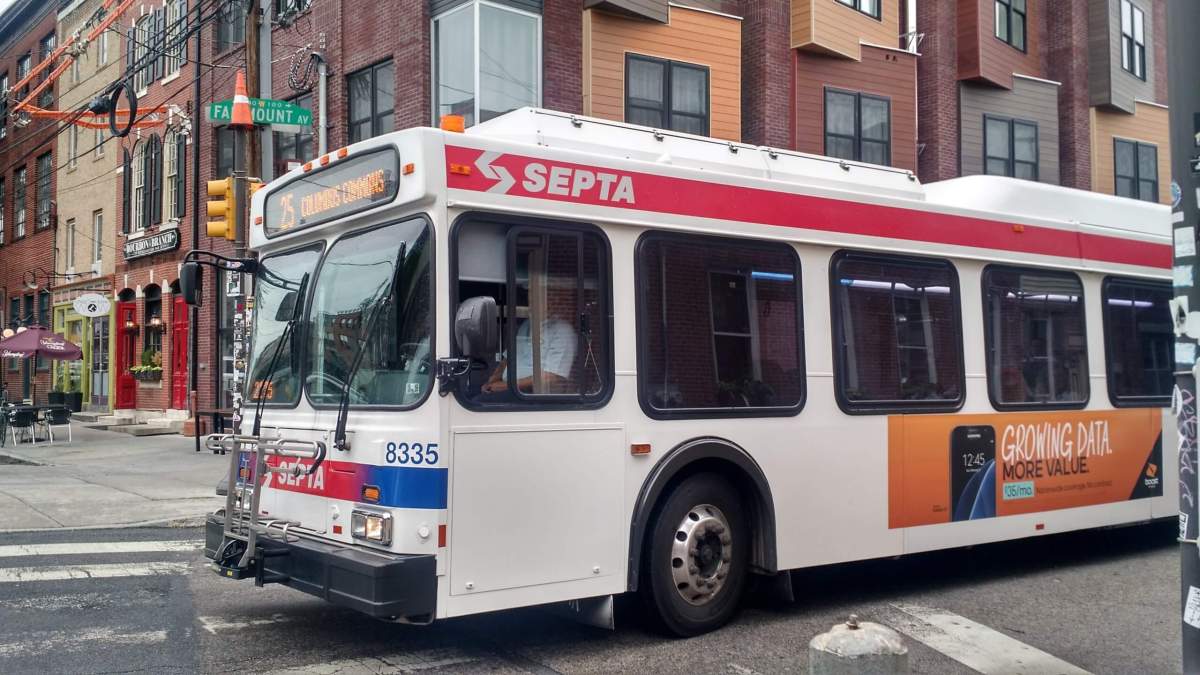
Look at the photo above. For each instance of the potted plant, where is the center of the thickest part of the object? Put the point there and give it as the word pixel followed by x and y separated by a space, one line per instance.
pixel 56 397
pixel 75 399
pixel 150 370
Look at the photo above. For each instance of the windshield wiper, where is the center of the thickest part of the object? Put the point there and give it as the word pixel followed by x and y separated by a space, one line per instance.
pixel 288 329
pixel 339 434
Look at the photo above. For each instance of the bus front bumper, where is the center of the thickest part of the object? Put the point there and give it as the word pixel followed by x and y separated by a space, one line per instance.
pixel 383 585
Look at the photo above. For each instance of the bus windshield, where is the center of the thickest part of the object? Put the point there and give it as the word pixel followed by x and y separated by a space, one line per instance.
pixel 396 368
pixel 276 294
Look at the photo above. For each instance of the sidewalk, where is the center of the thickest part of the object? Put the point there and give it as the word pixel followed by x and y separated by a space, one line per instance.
pixel 106 479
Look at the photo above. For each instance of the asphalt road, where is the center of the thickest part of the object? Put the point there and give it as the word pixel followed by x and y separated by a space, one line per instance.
pixel 1105 601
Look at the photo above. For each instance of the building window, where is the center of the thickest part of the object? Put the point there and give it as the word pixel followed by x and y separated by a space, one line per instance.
pixel 176 25
pixel 897 333
pixel 152 179
pixel 23 67
pixel 98 141
pixel 483 73
pixel 4 106
pixel 1010 148
pixel 45 47
pixel 719 327
pixel 1011 22
pixel 3 209
pixel 225 144
pixel 97 236
pixel 70 244
pixel 868 7
pixel 1140 341
pixel 666 94
pixel 1035 336
pixel 43 319
pixel 73 147
pixel 858 127
pixel 285 7
pixel 45 171
pixel 75 71
pixel 1136 170
pixel 371 99
pixel 139 186
pixel 142 36
pixel 231 26
pixel 102 48
pixel 292 149
pixel 1133 39
pixel 175 150
pixel 153 332
pixel 20 182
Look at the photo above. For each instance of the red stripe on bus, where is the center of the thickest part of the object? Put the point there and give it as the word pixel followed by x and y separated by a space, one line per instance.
pixel 601 186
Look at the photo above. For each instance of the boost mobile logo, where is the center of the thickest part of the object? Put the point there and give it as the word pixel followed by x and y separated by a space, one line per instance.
pixel 1151 479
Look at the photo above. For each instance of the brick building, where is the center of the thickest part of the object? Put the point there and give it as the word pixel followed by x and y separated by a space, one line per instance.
pixel 85 242
pixel 1071 92
pixel 28 178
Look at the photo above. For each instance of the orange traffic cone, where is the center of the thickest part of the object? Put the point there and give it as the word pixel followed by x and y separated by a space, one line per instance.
pixel 241 104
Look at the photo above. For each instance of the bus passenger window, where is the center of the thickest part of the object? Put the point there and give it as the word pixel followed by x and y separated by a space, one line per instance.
pixel 551 290
pixel 1037 346
pixel 719 326
pixel 1140 341
pixel 896 329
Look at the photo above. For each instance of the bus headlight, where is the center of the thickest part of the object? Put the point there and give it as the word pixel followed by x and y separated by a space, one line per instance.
pixel 372 526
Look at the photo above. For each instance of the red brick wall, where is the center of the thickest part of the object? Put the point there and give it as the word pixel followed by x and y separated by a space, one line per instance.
pixel 1159 26
pixel 882 72
pixel 562 55
pixel 1066 60
pixel 766 66
pixel 937 91
pixel 22 147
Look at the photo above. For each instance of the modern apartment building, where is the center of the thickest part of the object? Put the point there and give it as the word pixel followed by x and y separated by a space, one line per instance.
pixel 28 178
pixel 85 240
pixel 1070 92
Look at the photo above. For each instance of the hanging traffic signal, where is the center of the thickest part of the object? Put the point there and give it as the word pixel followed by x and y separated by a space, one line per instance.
pixel 222 209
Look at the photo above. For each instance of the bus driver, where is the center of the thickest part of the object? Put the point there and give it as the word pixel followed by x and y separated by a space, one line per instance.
pixel 558 344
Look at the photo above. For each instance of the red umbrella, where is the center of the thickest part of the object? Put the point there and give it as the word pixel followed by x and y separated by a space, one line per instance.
pixel 39 342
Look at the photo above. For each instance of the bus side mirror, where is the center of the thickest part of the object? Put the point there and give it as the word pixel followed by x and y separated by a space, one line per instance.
pixel 287 307
pixel 477 327
pixel 191 283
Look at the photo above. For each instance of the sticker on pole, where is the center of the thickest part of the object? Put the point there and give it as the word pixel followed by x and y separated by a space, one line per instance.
pixel 1185 242
pixel 92 305
pixel 1191 609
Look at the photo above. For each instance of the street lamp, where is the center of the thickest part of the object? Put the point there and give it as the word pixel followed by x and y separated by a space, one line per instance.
pixel 31 276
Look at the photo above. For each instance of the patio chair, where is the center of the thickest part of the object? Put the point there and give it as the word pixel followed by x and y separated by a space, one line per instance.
pixel 25 420
pixel 57 417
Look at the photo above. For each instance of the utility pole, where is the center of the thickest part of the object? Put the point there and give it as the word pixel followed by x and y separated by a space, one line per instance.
pixel 1183 57
pixel 253 83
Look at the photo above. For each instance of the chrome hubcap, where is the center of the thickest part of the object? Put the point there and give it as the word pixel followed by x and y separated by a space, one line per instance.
pixel 701 554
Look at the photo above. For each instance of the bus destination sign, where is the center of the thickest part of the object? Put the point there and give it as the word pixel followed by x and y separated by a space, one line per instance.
pixel 345 188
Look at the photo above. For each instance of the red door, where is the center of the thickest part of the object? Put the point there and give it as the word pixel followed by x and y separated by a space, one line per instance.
pixel 127 354
pixel 179 354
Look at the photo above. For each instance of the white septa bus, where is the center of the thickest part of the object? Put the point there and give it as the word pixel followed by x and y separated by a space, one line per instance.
pixel 556 358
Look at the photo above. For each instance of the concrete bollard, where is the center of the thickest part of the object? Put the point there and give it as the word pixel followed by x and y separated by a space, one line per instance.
pixel 854 648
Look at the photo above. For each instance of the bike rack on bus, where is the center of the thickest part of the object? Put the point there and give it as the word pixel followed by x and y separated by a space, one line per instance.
pixel 248 462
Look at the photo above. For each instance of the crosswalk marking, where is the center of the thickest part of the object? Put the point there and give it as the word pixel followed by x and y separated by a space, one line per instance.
pixel 101 571
pixel 213 624
pixel 43 642
pixel 407 662
pixel 74 548
pixel 975 645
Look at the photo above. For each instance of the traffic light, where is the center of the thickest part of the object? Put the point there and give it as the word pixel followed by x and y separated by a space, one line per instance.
pixel 222 209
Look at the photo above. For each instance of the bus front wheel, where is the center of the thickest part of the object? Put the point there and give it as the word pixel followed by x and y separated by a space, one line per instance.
pixel 697 558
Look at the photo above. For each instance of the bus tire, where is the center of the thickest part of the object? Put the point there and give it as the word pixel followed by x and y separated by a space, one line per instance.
pixel 697 556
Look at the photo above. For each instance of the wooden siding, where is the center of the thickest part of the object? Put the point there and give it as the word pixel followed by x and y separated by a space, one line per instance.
pixel 1030 101
pixel 829 27
pixel 1148 125
pixel 692 36
pixel 1109 84
pixel 983 56
pixel 881 72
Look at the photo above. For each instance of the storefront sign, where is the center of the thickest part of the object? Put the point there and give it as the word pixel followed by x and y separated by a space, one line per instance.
pixel 336 191
pixel 161 242
pixel 92 305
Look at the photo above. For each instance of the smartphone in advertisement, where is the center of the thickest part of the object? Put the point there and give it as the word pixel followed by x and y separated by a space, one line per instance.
pixel 972 458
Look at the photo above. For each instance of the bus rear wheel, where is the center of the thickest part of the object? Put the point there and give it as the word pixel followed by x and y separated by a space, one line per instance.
pixel 696 557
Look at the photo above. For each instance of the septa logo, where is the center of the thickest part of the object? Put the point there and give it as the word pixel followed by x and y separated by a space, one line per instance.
pixel 543 179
